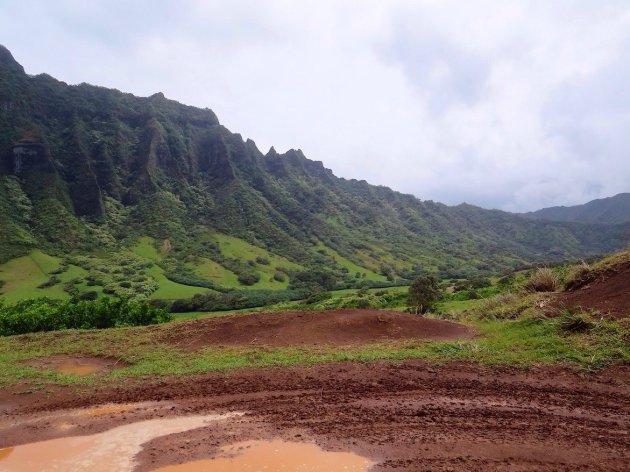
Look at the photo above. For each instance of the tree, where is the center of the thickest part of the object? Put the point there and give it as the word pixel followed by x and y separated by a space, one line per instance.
pixel 423 293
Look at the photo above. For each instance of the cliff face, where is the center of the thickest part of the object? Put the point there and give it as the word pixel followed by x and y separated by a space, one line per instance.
pixel 100 165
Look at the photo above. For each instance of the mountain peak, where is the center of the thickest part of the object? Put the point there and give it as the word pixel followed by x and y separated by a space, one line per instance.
pixel 8 61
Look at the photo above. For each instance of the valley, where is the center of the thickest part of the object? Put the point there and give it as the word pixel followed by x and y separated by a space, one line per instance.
pixel 174 299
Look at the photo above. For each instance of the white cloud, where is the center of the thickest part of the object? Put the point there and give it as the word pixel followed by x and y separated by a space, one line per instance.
pixel 501 104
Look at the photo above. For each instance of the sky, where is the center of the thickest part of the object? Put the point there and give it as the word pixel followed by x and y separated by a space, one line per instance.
pixel 516 105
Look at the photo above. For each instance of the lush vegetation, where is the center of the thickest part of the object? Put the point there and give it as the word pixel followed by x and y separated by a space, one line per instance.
pixel 148 198
pixel 515 326
pixel 43 314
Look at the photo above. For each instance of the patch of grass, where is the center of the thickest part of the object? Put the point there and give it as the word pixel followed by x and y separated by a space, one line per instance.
pixel 214 271
pixel 351 266
pixel 24 274
pixel 169 290
pixel 235 248
pixel 542 280
pixel 458 305
pixel 515 342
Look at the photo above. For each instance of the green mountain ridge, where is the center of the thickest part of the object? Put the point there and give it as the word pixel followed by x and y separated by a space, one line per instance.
pixel 610 210
pixel 86 172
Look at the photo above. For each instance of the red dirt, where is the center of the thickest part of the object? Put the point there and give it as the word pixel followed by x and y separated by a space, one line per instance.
pixel 72 364
pixel 606 291
pixel 407 415
pixel 332 327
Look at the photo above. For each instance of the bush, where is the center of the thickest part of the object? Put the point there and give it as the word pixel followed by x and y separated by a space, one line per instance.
pixel 572 322
pixel 576 274
pixel 262 260
pixel 234 300
pixel 44 314
pixel 543 280
pixel 54 280
pixel 248 278
pixel 423 293
pixel 279 277
pixel 317 297
pixel 505 306
pixel 91 295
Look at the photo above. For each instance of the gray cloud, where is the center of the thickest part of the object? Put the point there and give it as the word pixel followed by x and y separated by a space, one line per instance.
pixel 516 104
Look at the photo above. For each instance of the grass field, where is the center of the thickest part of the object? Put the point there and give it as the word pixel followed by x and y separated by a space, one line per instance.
pixel 214 271
pixel 167 289
pixel 236 248
pixel 24 274
pixel 351 266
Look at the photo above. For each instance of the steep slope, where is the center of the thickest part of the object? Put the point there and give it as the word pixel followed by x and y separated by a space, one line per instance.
pixel 609 210
pixel 85 169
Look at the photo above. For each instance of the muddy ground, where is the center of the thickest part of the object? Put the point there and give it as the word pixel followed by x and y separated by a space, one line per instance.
pixel 406 415
pixel 295 328
pixel 606 291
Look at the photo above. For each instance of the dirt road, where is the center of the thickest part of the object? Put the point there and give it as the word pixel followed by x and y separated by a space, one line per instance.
pixel 408 415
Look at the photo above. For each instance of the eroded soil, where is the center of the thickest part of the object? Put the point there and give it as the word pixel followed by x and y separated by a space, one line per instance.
pixel 330 327
pixel 607 291
pixel 407 415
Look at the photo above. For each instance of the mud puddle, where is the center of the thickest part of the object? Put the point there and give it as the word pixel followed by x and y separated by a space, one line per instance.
pixel 275 455
pixel 67 364
pixel 112 450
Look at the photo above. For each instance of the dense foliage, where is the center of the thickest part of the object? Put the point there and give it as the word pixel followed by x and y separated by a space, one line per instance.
pixel 43 314
pixel 86 169
pixel 423 293
pixel 234 300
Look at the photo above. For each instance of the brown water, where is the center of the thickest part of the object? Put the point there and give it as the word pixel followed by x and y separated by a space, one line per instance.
pixel 108 409
pixel 112 450
pixel 77 367
pixel 275 456
pixel 5 452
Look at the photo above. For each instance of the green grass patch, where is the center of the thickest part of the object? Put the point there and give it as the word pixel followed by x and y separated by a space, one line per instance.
pixel 351 266
pixel 169 290
pixel 235 248
pixel 516 342
pixel 215 272
pixel 24 274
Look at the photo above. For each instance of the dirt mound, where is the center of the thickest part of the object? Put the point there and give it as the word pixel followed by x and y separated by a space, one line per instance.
pixel 607 291
pixel 336 327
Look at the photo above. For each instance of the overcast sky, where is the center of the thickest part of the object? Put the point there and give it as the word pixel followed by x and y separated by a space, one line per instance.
pixel 506 104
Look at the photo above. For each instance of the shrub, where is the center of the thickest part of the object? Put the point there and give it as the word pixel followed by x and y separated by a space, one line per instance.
pixel 234 300
pixel 576 274
pixel 262 260
pixel 505 306
pixel 573 322
pixel 54 280
pixel 248 278
pixel 317 297
pixel 543 280
pixel 423 293
pixel 44 314
pixel 91 295
pixel 279 277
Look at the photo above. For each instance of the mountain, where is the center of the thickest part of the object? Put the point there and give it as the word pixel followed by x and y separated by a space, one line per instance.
pixel 88 174
pixel 609 210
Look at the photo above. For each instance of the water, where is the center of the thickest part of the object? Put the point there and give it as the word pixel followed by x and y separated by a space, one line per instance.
pixel 275 456
pixel 112 450
pixel 115 449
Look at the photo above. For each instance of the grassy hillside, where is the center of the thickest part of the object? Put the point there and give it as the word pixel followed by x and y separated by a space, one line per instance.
pixel 87 172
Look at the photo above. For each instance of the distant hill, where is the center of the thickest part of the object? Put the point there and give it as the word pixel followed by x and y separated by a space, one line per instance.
pixel 129 194
pixel 611 210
